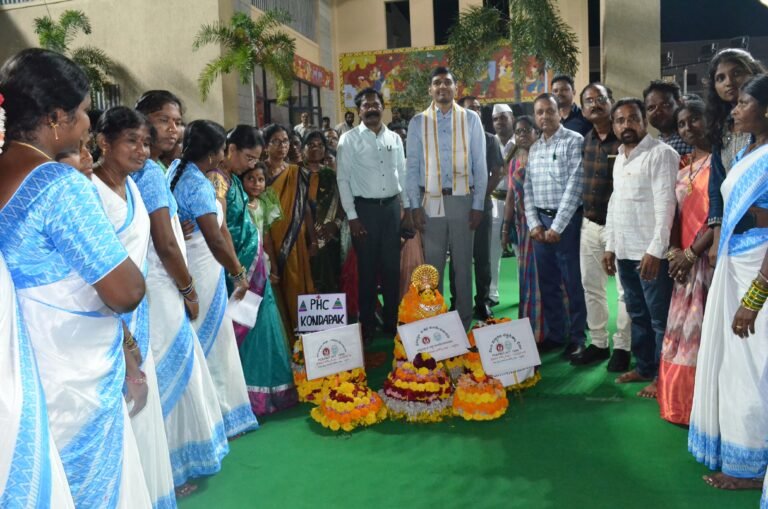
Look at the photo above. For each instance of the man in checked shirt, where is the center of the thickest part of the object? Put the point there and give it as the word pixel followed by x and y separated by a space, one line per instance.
pixel 600 148
pixel 553 188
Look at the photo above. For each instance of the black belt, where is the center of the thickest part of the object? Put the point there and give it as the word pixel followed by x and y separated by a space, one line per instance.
pixel 601 222
pixel 547 212
pixel 447 191
pixel 375 201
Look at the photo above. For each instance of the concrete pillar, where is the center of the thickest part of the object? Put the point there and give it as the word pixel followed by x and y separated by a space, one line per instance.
pixel 422 23
pixel 575 14
pixel 630 43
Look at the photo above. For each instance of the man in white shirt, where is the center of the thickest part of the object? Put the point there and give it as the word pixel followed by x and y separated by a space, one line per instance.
pixel 347 125
pixel 503 124
pixel 371 179
pixel 637 229
pixel 305 126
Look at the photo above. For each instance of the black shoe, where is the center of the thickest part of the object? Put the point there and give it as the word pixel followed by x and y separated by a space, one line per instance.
pixel 573 350
pixel 619 362
pixel 549 346
pixel 591 355
pixel 483 312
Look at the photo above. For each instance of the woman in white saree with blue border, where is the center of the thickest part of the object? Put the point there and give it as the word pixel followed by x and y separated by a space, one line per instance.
pixel 57 243
pixel 123 136
pixel 197 202
pixel 193 422
pixel 729 419
pixel 72 277
pixel 31 474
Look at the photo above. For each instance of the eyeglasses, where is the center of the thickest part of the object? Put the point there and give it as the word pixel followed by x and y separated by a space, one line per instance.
pixel 276 143
pixel 523 130
pixel 601 99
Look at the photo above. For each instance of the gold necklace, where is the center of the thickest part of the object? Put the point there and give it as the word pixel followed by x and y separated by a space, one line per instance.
pixel 33 148
pixel 692 175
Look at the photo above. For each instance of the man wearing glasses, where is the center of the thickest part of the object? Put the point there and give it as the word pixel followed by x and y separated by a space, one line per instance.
pixel 600 148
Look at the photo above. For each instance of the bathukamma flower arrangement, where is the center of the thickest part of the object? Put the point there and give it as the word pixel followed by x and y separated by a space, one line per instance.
pixel 310 391
pixel 346 404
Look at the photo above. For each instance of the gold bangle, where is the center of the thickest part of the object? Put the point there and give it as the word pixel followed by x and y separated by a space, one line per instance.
pixel 752 306
pixel 760 285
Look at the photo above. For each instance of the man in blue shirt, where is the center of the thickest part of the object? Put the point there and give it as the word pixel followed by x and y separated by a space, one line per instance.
pixel 446 180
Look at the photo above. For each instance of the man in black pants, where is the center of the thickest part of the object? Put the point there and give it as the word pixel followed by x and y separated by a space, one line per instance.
pixel 371 180
pixel 481 252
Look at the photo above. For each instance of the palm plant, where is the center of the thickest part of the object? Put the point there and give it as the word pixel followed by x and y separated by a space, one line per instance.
pixel 537 29
pixel 413 73
pixel 472 41
pixel 59 35
pixel 247 44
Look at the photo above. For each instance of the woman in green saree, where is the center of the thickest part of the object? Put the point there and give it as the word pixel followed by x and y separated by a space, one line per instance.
pixel 263 348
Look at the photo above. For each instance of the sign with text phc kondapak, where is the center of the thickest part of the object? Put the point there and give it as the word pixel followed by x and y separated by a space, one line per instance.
pixel 321 311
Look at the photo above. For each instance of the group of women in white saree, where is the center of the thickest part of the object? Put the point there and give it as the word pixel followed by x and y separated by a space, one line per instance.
pixel 120 372
pixel 119 367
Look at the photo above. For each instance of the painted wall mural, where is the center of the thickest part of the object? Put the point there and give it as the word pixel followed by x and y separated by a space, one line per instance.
pixel 379 69
pixel 312 73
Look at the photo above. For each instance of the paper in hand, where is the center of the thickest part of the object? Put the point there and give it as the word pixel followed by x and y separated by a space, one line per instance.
pixel 246 310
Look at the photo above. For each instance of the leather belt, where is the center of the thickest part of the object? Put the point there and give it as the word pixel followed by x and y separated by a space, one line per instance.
pixel 594 220
pixel 447 191
pixel 547 212
pixel 375 201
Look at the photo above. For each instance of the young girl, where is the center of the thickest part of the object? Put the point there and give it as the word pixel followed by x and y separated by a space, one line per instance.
pixel 264 348
pixel 264 208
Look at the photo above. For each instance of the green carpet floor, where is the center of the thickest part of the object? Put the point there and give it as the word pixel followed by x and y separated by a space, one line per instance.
pixel 576 440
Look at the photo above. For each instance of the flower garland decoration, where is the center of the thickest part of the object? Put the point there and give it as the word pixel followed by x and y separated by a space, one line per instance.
pixel 479 397
pixel 2 124
pixel 470 361
pixel 311 391
pixel 419 391
pixel 346 405
pixel 422 300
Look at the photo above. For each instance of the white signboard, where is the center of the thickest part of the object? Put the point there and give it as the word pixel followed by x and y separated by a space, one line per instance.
pixel 322 311
pixel 246 310
pixel 442 336
pixel 332 351
pixel 507 350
